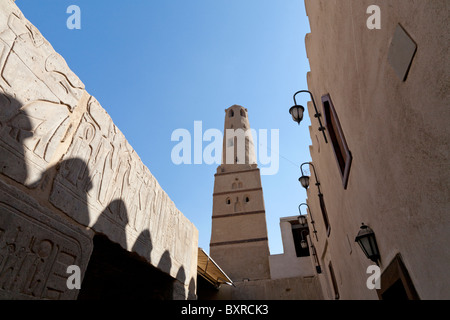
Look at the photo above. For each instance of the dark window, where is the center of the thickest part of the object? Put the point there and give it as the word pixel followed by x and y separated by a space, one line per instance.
pixel 231 114
pixel 300 233
pixel 228 201
pixel 395 292
pixel 247 199
pixel 323 209
pixel 242 113
pixel 396 283
pixel 341 151
pixel 333 280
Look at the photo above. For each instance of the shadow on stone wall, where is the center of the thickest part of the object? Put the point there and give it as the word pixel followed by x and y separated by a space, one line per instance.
pixel 112 271
pixel 15 128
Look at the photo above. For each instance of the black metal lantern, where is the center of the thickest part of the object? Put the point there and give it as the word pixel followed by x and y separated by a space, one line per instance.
pixel 366 239
pixel 302 220
pixel 304 244
pixel 304 180
pixel 297 113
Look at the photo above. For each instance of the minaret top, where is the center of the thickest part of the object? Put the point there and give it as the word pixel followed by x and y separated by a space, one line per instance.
pixel 236 106
pixel 236 118
pixel 236 111
pixel 238 147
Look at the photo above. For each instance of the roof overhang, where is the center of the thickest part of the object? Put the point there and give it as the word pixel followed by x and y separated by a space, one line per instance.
pixel 210 271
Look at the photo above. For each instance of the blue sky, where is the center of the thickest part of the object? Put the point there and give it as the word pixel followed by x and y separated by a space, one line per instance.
pixel 157 66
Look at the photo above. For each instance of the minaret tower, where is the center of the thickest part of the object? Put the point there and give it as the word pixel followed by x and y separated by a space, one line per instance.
pixel 239 242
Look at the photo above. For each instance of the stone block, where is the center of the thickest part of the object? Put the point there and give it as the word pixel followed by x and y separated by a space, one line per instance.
pixel 36 248
pixel 102 183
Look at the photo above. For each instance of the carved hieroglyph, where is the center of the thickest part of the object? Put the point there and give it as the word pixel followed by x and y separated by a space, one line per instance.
pixel 103 184
pixel 36 249
pixel 39 92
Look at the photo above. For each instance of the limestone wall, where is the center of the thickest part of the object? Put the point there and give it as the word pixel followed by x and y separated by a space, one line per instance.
pixel 298 288
pixel 67 172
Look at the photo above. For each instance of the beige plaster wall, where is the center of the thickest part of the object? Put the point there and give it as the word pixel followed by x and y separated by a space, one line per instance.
pixel 287 264
pixel 398 134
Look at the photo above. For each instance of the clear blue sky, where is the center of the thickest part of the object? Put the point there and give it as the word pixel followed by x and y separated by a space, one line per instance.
pixel 160 65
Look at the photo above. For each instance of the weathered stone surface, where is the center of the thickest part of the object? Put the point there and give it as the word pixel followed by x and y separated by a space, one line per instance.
pixel 36 248
pixel 39 91
pixel 60 148
pixel 103 184
pixel 298 288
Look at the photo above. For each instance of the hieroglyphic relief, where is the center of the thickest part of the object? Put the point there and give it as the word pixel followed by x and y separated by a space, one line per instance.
pixel 38 91
pixel 111 180
pixel 103 173
pixel 110 166
pixel 35 250
pixel 183 240
pixel 100 181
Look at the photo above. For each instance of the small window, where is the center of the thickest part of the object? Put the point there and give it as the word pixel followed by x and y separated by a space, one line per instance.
pixel 340 147
pixel 242 113
pixel 247 199
pixel 231 114
pixel 228 201
pixel 334 282
pixel 323 209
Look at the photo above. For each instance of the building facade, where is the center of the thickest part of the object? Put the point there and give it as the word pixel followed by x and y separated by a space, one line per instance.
pixel 382 94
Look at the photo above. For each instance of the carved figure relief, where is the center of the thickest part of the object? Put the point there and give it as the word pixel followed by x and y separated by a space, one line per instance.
pixel 43 92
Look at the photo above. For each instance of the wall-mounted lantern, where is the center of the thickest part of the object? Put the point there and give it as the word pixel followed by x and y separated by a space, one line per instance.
pixel 368 243
pixel 297 112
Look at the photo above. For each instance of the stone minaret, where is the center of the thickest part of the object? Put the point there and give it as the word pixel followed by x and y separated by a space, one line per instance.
pixel 239 241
